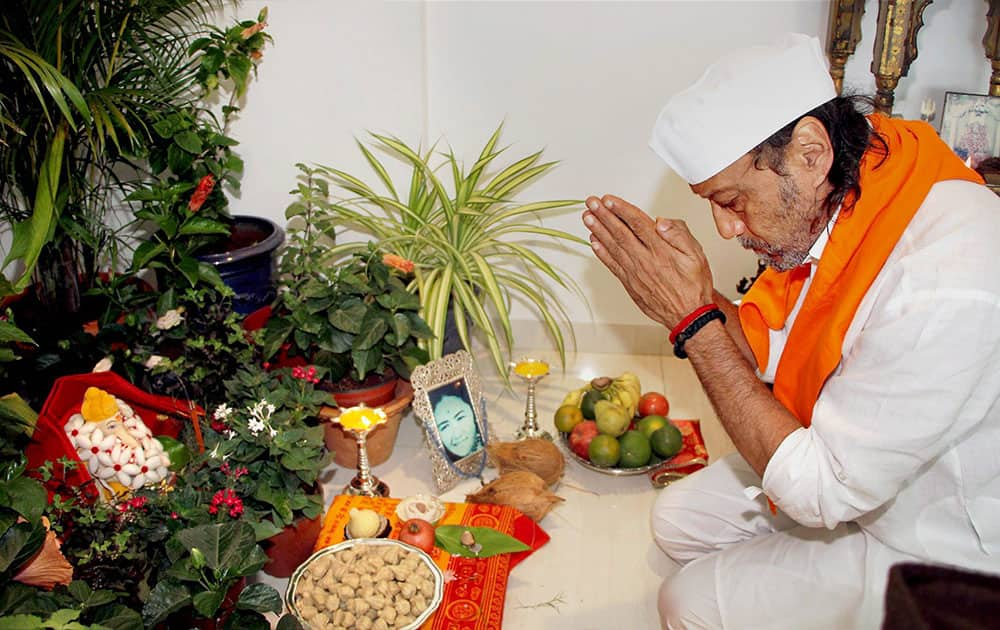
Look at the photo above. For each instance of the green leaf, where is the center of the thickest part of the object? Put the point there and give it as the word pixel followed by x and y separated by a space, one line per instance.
pixel 348 315
pixel 203 225
pixel 166 598
pixel 16 414
pixel 27 497
pixel 21 622
pixel 223 544
pixel 178 160
pixel 239 69
pixel 288 622
pixel 62 617
pixel 365 361
pixel 208 602
pixel 118 617
pixel 9 332
pixel 189 141
pixel 401 327
pixel 188 267
pixel 373 328
pixel 246 620
pixel 145 253
pixel 19 543
pixel 261 598
pixel 493 542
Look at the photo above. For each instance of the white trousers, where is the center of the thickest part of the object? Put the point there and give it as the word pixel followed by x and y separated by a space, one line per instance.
pixel 744 568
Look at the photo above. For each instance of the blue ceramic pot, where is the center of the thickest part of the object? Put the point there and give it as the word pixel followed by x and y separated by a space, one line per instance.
pixel 247 264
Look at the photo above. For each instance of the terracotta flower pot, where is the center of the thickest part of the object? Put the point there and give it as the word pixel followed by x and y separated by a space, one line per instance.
pixel 290 547
pixel 380 441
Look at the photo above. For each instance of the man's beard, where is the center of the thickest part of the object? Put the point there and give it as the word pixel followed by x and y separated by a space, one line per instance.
pixel 791 211
pixel 779 259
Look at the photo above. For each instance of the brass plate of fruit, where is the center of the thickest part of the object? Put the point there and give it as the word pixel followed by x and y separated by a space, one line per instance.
pixel 654 462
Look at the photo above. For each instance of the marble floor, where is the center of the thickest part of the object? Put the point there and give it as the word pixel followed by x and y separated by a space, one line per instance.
pixel 601 568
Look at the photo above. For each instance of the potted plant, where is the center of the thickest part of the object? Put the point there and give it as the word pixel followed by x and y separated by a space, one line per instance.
pixel 355 324
pixel 471 247
pixel 192 166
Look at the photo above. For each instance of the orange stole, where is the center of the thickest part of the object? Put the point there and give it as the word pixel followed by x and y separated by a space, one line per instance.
pixel 474 600
pixel 861 241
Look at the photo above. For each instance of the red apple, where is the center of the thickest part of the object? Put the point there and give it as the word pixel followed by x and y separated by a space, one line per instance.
pixel 653 404
pixel 582 434
pixel 419 533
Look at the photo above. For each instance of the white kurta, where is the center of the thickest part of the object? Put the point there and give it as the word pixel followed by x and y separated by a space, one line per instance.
pixel 900 462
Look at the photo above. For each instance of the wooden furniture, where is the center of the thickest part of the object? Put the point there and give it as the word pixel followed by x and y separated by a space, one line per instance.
pixel 895 42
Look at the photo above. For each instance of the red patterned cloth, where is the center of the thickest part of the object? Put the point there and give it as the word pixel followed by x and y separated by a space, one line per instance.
pixel 474 600
pixel 692 457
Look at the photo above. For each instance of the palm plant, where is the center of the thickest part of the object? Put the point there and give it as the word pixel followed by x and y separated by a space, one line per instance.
pixel 82 83
pixel 472 247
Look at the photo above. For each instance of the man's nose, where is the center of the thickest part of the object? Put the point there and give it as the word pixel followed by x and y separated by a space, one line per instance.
pixel 727 223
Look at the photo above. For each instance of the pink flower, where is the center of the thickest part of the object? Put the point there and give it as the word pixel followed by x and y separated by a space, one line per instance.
pixel 201 193
pixel 398 262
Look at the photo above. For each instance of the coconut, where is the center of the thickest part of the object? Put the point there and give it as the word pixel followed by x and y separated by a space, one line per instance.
pixel 541 457
pixel 522 490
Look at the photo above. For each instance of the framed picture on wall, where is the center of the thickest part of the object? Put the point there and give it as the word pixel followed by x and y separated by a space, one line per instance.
pixel 970 125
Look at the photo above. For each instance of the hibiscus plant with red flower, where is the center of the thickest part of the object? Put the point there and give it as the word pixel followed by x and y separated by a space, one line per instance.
pixel 192 164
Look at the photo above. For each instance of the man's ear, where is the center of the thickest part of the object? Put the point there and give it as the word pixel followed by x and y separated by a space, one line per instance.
pixel 811 150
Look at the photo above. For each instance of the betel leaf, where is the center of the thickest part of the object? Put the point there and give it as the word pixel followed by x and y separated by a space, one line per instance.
pixel 261 598
pixel 246 620
pixel 493 542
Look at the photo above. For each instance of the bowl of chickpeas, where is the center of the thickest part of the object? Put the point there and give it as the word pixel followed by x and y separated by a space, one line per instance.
pixel 365 583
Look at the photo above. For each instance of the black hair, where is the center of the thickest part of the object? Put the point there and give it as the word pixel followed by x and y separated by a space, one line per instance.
pixel 845 120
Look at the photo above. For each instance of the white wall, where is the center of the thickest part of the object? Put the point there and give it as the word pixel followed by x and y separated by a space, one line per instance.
pixel 583 80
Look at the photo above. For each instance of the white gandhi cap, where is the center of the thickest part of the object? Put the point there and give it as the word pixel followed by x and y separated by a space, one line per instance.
pixel 738 103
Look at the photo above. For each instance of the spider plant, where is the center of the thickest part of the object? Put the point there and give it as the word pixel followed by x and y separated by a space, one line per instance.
pixel 82 83
pixel 473 247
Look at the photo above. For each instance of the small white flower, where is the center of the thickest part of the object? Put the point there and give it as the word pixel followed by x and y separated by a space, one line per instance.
pixel 255 426
pixel 230 434
pixel 222 412
pixel 273 432
pixel 169 319
pixel 104 365
pixel 153 361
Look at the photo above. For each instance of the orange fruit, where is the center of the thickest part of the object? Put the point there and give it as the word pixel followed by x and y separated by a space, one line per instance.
pixel 604 450
pixel 567 417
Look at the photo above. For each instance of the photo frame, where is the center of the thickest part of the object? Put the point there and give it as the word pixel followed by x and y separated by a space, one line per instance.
pixel 970 125
pixel 448 400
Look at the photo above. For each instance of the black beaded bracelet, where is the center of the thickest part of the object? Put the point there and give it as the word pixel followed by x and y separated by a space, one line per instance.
pixel 693 328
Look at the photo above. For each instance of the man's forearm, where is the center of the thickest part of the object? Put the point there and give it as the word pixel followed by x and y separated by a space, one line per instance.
pixel 753 417
pixel 733 326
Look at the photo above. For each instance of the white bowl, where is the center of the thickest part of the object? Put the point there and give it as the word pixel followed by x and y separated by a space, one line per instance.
pixel 436 574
